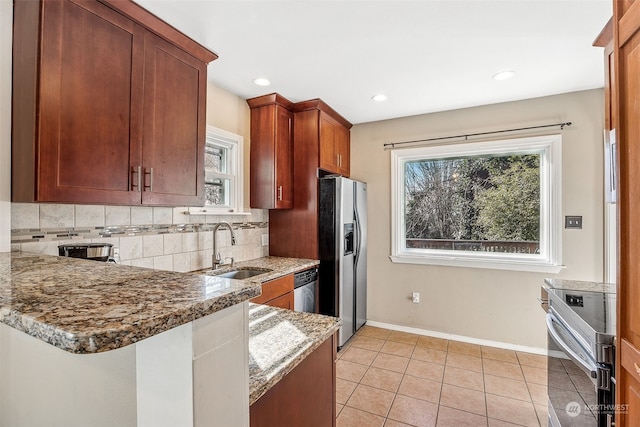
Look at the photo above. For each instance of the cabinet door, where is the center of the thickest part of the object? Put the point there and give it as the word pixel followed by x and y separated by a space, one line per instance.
pixel 88 107
pixel 328 153
pixel 262 161
pixel 174 125
pixel 271 157
pixel 284 301
pixel 274 289
pixel 283 159
pixel 343 150
pixel 334 146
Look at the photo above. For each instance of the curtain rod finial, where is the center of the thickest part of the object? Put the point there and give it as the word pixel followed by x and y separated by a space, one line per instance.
pixel 562 125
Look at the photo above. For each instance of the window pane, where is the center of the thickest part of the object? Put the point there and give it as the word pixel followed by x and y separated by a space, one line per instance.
pixel 215 159
pixel 487 203
pixel 216 192
pixel 216 189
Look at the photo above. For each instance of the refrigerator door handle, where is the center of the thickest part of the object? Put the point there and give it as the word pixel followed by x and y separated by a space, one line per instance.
pixel 358 235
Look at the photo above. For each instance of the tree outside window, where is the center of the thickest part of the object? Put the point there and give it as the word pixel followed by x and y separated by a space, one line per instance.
pixel 474 203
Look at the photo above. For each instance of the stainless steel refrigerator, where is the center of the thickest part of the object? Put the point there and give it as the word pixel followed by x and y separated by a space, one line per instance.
pixel 343 253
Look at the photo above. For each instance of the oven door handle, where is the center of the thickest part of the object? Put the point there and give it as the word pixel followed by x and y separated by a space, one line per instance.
pixel 588 368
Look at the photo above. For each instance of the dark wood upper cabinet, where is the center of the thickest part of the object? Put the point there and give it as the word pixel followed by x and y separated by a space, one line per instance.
pixel 174 132
pixel 332 137
pixel 271 177
pixel 342 141
pixel 104 109
pixel 334 145
pixel 319 135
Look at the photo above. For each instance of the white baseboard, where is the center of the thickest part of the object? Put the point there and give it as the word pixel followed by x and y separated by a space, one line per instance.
pixel 471 340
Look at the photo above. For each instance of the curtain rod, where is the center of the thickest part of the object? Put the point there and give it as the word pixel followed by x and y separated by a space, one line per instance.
pixel 393 144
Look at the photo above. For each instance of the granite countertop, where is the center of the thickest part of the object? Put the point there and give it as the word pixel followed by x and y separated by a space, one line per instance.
pixel 279 340
pixel 274 267
pixel 85 306
pixel 578 285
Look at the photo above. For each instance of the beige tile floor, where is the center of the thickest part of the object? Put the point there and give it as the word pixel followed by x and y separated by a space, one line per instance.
pixel 394 379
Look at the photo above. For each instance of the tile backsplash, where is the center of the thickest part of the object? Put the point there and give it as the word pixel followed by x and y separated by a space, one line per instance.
pixel 163 238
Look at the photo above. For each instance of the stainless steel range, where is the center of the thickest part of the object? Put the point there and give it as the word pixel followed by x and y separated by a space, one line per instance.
pixel 581 385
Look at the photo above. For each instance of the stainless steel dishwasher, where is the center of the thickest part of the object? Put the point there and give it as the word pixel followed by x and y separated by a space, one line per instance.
pixel 305 286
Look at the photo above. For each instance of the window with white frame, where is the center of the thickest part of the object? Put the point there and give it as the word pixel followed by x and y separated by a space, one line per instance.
pixel 491 204
pixel 223 172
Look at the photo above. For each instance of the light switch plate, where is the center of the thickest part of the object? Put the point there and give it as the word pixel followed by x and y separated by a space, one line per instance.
pixel 265 240
pixel 572 221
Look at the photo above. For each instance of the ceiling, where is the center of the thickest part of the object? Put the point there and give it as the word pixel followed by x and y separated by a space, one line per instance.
pixel 425 56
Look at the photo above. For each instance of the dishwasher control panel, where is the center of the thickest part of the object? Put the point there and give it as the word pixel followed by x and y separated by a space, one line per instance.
pixel 305 277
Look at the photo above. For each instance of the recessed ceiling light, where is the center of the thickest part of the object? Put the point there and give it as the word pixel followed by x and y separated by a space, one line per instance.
pixel 379 97
pixel 504 75
pixel 261 81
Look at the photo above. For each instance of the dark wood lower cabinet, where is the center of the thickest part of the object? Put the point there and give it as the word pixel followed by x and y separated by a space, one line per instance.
pixel 305 397
pixel 283 301
pixel 277 293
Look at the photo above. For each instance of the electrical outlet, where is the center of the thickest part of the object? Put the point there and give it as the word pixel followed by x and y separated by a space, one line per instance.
pixel 265 240
pixel 572 221
pixel 115 254
pixel 415 297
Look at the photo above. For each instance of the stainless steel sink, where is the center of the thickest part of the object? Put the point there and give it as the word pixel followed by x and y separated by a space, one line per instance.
pixel 242 274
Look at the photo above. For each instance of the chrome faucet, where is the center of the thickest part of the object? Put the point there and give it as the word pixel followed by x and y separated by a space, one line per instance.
pixel 216 260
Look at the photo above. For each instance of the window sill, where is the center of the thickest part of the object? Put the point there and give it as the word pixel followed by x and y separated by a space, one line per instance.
pixel 496 264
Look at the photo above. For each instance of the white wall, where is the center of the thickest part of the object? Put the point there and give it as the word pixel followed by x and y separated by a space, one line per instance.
pixel 6 23
pixel 482 303
pixel 231 113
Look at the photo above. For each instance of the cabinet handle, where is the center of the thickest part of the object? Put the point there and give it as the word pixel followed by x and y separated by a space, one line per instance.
pixel 340 160
pixel 135 183
pixel 280 192
pixel 150 173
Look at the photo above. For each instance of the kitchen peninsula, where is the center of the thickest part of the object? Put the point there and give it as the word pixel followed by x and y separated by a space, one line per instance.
pixel 134 346
pixel 291 367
